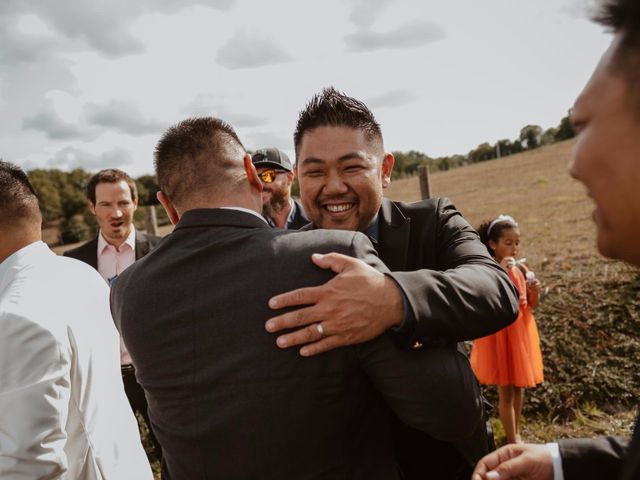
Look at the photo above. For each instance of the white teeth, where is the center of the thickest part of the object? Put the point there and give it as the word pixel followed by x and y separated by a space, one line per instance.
pixel 339 208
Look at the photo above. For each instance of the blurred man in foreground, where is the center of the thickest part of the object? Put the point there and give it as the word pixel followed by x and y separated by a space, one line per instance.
pixel 606 159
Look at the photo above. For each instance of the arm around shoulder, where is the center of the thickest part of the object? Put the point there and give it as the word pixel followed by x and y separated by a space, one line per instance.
pixel 464 294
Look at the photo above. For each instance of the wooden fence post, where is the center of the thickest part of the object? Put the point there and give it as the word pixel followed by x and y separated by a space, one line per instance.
pixel 150 220
pixel 425 184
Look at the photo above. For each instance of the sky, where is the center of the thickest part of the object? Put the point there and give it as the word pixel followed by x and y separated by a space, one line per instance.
pixel 94 83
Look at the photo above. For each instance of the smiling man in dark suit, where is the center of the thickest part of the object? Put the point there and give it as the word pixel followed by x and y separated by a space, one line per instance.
pixel 451 289
pixel 113 198
pixel 223 400
pixel 606 159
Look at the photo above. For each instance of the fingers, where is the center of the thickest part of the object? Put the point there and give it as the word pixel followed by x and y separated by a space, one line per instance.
pixel 301 296
pixel 335 261
pixel 523 461
pixel 304 335
pixel 324 345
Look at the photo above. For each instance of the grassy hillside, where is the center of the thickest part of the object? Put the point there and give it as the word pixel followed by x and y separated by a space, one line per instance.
pixel 589 318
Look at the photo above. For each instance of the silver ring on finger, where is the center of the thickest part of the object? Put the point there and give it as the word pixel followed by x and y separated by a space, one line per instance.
pixel 320 329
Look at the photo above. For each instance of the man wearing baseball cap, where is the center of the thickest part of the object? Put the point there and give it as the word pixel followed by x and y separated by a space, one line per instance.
pixel 276 172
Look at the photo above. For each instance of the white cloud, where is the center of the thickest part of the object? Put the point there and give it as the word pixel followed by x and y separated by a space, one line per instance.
pixel 48 121
pixel 365 12
pixel 392 98
pixel 122 117
pixel 204 105
pixel 72 157
pixel 416 33
pixel 244 50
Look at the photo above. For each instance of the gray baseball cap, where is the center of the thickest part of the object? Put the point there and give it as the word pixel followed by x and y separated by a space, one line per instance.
pixel 271 157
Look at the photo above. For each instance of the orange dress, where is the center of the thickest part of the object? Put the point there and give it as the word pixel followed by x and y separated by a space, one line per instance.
pixel 512 355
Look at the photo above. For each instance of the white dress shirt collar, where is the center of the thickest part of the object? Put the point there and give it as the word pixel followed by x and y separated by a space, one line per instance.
pixel 130 240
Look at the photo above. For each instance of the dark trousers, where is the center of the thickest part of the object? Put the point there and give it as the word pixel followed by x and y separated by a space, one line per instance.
pixel 138 402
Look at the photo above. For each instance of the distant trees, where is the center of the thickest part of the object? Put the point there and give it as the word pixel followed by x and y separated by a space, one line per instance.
pixel 530 137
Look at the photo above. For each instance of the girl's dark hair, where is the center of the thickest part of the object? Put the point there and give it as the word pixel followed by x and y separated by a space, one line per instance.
pixel 497 225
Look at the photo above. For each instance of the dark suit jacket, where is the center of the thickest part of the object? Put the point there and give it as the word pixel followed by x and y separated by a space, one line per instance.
pixel 226 403
pixel 456 292
pixel 88 252
pixel 601 458
pixel 299 219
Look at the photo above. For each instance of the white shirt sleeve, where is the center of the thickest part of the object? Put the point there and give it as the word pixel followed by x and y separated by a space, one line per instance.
pixel 34 399
pixel 554 450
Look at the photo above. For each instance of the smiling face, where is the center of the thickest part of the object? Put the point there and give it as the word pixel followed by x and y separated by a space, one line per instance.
pixel 341 175
pixel 606 157
pixel 114 209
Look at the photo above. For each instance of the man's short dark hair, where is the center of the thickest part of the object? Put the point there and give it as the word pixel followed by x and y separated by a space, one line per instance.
pixel 623 16
pixel 194 155
pixel 335 109
pixel 110 175
pixel 18 199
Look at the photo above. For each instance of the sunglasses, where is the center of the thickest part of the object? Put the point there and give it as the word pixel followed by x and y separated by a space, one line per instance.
pixel 268 176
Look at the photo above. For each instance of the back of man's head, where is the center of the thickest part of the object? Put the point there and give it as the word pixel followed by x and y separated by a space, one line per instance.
pixel 331 108
pixel 110 175
pixel 199 157
pixel 623 16
pixel 18 200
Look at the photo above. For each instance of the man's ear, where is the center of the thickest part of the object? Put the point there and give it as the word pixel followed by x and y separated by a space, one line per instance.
pixel 387 167
pixel 252 173
pixel 92 207
pixel 168 207
pixel 290 176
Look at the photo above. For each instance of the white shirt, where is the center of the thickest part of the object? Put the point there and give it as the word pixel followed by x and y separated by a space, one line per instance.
pixel 112 262
pixel 63 410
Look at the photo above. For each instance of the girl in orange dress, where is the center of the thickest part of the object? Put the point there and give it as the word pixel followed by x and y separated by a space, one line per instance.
pixel 510 358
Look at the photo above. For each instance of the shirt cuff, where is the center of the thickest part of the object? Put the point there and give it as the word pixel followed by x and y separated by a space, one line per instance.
pixel 558 474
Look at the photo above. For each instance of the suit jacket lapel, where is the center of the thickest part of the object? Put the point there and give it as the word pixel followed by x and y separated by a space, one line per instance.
pixel 91 253
pixel 394 232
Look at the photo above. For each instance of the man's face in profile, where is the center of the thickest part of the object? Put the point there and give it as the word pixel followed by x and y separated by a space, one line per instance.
pixel 341 175
pixel 606 157
pixel 114 210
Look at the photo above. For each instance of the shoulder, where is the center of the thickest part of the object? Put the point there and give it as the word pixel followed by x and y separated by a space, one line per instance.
pixel 319 240
pixel 84 250
pixel 423 207
pixel 152 240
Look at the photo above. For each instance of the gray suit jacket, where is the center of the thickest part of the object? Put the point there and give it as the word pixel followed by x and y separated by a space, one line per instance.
pixel 88 252
pixel 225 402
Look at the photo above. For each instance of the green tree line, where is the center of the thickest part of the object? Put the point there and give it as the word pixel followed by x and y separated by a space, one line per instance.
pixel 530 138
